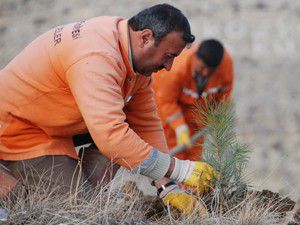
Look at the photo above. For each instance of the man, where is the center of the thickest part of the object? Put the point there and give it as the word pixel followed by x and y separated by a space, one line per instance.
pixel 94 76
pixel 204 70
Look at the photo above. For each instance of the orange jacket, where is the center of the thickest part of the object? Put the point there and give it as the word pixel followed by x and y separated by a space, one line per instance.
pixel 176 93
pixel 73 79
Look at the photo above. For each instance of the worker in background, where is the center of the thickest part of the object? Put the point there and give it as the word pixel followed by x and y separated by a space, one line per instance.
pixel 94 77
pixel 204 70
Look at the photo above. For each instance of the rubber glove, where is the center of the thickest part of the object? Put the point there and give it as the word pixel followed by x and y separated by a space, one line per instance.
pixel 199 175
pixel 202 177
pixel 183 136
pixel 173 196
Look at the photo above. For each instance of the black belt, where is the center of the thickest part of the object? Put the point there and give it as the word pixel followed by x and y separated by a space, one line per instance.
pixel 82 139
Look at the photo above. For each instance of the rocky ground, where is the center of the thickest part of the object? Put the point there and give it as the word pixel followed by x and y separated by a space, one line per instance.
pixel 263 38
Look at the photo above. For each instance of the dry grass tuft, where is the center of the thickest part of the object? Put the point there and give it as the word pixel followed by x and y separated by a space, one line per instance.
pixel 42 204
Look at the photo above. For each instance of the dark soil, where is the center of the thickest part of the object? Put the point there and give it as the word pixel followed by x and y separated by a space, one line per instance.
pixel 297 216
pixel 154 208
pixel 277 203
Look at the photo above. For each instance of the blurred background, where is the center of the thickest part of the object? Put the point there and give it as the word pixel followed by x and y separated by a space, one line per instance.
pixel 262 36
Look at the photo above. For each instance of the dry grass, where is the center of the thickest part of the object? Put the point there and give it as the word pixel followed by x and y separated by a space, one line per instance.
pixel 42 204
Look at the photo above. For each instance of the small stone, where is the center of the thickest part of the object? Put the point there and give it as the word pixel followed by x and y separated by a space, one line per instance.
pixel 3 215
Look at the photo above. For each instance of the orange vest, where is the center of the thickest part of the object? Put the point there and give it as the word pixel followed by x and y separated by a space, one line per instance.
pixel 176 94
pixel 73 79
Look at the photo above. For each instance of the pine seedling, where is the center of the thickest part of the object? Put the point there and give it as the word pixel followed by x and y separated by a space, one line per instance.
pixel 222 150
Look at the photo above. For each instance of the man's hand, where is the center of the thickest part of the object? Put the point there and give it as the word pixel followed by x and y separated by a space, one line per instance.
pixel 198 175
pixel 183 136
pixel 187 204
pixel 201 176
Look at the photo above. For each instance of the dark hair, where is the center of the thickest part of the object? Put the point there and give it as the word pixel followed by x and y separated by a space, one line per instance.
pixel 211 52
pixel 161 20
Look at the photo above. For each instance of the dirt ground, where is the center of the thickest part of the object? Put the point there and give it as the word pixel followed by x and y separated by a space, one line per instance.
pixel 263 38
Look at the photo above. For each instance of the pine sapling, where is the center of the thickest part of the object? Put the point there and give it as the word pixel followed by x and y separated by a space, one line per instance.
pixel 222 150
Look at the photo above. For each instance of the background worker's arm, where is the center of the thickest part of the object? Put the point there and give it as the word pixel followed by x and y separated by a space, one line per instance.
pixel 168 91
pixel 227 85
pixel 141 114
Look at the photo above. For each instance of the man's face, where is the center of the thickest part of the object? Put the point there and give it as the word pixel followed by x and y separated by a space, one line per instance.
pixel 202 69
pixel 152 57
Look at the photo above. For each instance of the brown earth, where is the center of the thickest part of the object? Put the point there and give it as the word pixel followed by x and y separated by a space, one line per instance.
pixel 265 199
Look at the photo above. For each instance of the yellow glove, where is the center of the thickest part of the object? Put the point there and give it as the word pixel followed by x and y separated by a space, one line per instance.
pixel 183 136
pixel 198 175
pixel 201 176
pixel 187 204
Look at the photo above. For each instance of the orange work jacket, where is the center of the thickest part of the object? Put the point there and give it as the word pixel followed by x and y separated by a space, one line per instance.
pixel 74 79
pixel 176 95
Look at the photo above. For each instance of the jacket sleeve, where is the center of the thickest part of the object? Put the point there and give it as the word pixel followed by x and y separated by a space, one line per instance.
pixel 167 98
pixel 227 85
pixel 95 82
pixel 141 114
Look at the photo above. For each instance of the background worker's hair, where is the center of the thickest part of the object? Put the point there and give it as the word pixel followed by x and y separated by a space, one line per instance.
pixel 211 52
pixel 161 20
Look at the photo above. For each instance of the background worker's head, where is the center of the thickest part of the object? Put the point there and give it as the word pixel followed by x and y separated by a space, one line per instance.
pixel 208 57
pixel 158 34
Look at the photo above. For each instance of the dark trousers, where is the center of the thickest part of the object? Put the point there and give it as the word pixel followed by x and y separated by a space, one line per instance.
pixel 62 171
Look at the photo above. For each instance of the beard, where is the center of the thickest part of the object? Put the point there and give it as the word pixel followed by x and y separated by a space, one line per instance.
pixel 154 69
pixel 147 74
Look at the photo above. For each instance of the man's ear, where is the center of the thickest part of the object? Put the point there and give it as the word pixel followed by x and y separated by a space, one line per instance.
pixel 146 38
